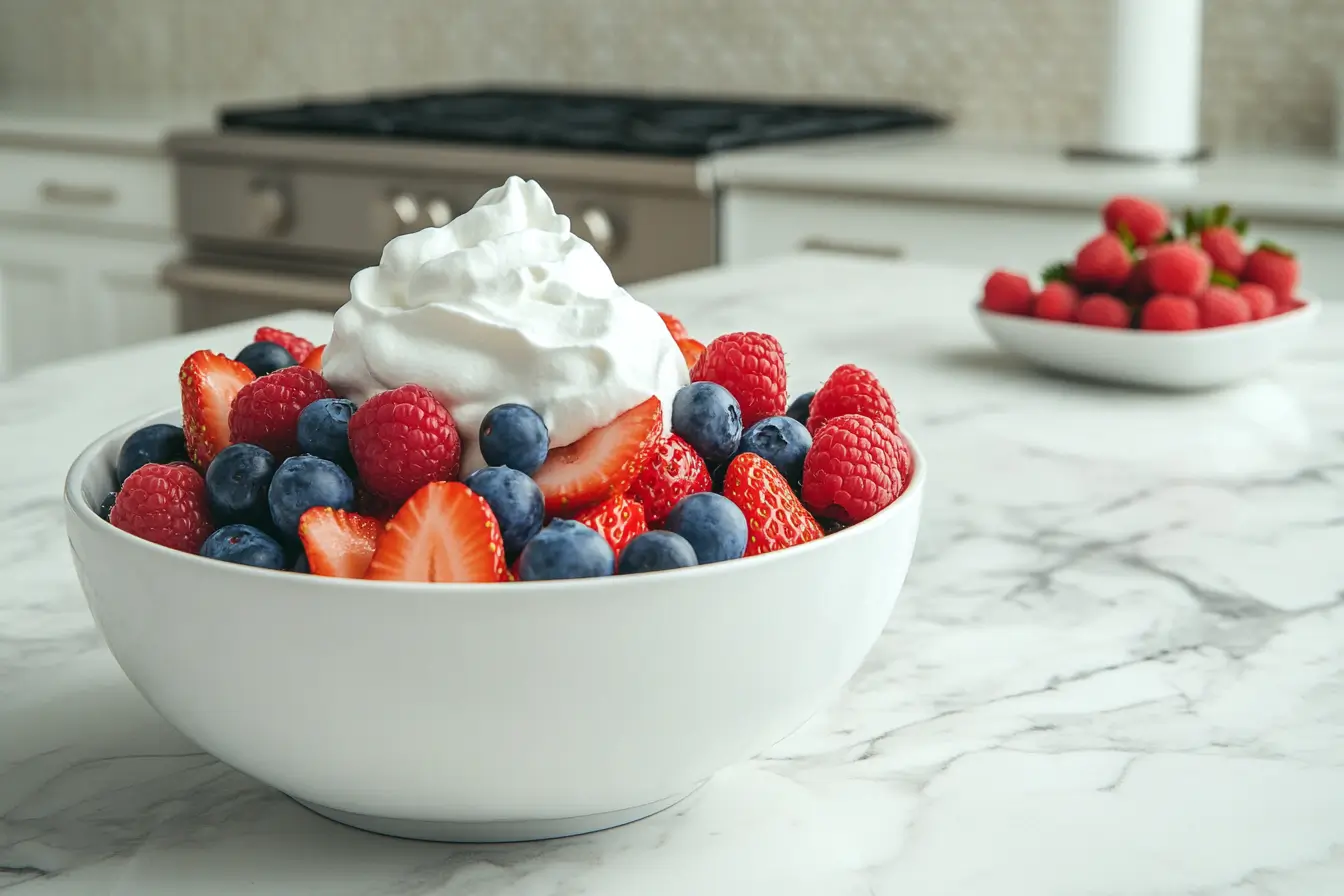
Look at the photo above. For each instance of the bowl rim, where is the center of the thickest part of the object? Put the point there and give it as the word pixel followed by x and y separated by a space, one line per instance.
pixel 1309 310
pixel 83 464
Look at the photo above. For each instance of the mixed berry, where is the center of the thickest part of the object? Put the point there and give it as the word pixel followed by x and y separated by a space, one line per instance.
pixel 1145 272
pixel 272 469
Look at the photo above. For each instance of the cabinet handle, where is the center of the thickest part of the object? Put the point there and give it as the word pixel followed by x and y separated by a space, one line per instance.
pixel 58 193
pixel 876 250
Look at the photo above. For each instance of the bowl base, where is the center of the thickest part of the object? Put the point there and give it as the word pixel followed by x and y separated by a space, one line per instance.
pixel 494 831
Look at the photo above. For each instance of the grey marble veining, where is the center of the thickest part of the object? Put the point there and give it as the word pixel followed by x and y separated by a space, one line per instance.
pixel 1117 667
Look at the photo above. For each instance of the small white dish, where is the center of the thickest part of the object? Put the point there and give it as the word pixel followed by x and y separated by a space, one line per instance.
pixel 1195 359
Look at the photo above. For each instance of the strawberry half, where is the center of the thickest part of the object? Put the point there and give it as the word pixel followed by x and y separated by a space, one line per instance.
pixel 691 351
pixel 602 463
pixel 337 542
pixel 444 533
pixel 674 326
pixel 314 360
pixel 775 517
pixel 297 346
pixel 210 382
pixel 619 520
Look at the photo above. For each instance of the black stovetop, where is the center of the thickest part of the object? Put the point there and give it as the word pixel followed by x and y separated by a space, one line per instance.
pixel 624 123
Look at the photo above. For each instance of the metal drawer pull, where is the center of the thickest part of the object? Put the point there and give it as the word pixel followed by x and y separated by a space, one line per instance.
pixel 817 244
pixel 55 192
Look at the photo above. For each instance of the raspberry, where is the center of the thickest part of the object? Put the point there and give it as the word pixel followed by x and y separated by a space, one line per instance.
pixel 1103 262
pixel 1272 266
pixel 1178 269
pixel 1259 298
pixel 852 390
pixel 853 469
pixel 751 367
pixel 1057 301
pixel 674 471
pixel 402 440
pixel 1221 307
pixel 266 411
pixel 165 504
pixel 1146 221
pixel 1007 293
pixel 1223 246
pixel 297 346
pixel 1104 311
pixel 1166 312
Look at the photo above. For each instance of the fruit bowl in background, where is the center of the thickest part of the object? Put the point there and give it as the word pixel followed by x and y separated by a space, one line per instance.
pixel 486 712
pixel 1185 360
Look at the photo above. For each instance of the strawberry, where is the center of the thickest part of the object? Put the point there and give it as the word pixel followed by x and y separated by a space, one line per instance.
pixel 1007 293
pixel 674 471
pixel 1178 269
pixel 1104 311
pixel 338 542
pixel 674 326
pixel 1223 246
pixel 266 410
pixel 1222 307
pixel 297 346
pixel 444 533
pixel 775 517
pixel 690 351
pixel 314 360
pixel 1103 262
pixel 1272 266
pixel 1166 312
pixel 1137 289
pixel 1056 301
pixel 852 390
pixel 1259 298
pixel 619 519
pixel 602 463
pixel 165 504
pixel 1144 221
pixel 854 469
pixel 751 367
pixel 210 382
pixel 402 440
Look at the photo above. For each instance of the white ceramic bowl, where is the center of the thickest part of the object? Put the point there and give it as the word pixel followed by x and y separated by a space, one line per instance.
pixel 487 712
pixel 1198 359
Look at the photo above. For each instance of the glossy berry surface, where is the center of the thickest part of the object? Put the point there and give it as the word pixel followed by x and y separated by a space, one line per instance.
pixel 709 418
pixel 324 430
pixel 237 483
pixel 801 407
pixel 158 443
pixel 105 508
pixel 714 526
pixel 248 545
pixel 516 500
pixel 302 482
pixel 781 440
pixel 265 357
pixel 514 435
pixel 566 549
pixel 655 551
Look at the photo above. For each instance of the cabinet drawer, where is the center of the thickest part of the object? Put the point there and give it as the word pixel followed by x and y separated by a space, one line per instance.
pixel 86 188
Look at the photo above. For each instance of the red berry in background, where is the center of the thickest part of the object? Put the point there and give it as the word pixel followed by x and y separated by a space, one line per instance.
pixel 402 440
pixel 674 471
pixel 1104 311
pixel 165 504
pixel 751 367
pixel 1275 267
pixel 1170 313
pixel 1222 307
pixel 1136 288
pixel 1007 293
pixel 1178 269
pixel 1259 299
pixel 619 519
pixel 1103 262
pixel 1223 246
pixel 1057 301
pixel 1146 221
pixel 853 469
pixel 297 346
pixel 852 390
pixel 266 410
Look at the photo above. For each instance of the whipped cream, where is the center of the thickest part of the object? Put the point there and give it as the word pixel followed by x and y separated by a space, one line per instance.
pixel 503 304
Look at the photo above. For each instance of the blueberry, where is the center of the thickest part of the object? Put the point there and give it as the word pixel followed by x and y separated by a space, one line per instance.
pixel 265 357
pixel 713 525
pixel 158 443
pixel 708 416
pixel 801 408
pixel 306 481
pixel 514 435
pixel 301 563
pixel 656 550
pixel 324 430
pixel 247 545
pixel 781 440
pixel 236 485
pixel 516 500
pixel 105 508
pixel 566 550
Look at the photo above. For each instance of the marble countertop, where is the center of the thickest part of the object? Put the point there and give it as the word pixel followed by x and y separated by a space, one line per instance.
pixel 951 167
pixel 1117 667
pixel 135 125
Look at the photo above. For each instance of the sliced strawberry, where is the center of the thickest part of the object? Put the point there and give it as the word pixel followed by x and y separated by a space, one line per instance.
pixel 674 326
pixel 618 519
pixel 210 382
pixel 337 542
pixel 444 533
pixel 775 517
pixel 297 346
pixel 602 463
pixel 690 351
pixel 314 360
